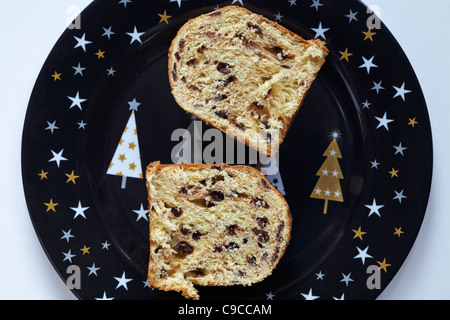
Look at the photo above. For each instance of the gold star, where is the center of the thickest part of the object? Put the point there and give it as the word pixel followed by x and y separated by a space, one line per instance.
pixel 56 76
pixel 383 265
pixel 131 145
pixel 132 166
pixel 412 122
pixel 122 157
pixel 358 233
pixel 345 54
pixel 164 17
pixel 121 141
pixel 398 231
pixel 43 175
pixel 85 249
pixel 394 173
pixel 120 174
pixel 51 205
pixel 71 177
pixel 110 165
pixel 100 54
pixel 369 34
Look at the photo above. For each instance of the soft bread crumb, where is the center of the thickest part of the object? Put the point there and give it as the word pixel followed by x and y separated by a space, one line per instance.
pixel 213 225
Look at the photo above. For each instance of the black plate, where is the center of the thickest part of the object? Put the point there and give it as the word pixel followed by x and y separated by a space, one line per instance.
pixel 369 101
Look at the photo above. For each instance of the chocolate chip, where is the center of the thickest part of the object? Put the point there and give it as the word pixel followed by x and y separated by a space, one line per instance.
pixel 216 196
pixel 216 13
pixel 262 222
pixel 280 230
pixel 163 273
pixel 196 105
pixel 201 49
pixel 223 67
pixel 232 229
pixel 177 56
pixel 258 202
pixel 231 246
pixel 203 182
pixel 240 126
pixel 185 247
pixel 196 235
pixel 264 182
pixel 194 88
pixel 218 249
pixel 192 62
pixel 241 273
pixel 263 236
pixel 184 230
pixel 181 44
pixel 222 114
pixel 174 75
pixel 220 97
pixel 183 190
pixel 183 79
pixel 275 255
pixel 176 212
pixel 254 27
pixel 266 124
pixel 265 256
pixel 216 167
pixel 251 260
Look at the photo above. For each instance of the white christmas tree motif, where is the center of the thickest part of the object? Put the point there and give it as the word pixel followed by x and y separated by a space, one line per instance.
pixel 126 161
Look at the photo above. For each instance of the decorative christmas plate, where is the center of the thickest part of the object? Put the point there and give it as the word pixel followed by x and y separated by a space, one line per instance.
pixel 355 166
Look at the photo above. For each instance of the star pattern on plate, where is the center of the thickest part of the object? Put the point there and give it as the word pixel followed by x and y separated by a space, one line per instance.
pixel 91 53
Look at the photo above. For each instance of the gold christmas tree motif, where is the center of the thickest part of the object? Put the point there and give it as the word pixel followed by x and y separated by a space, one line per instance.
pixel 328 187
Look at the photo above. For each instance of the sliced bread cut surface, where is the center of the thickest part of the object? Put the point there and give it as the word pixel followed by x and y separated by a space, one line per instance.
pixel 244 74
pixel 213 225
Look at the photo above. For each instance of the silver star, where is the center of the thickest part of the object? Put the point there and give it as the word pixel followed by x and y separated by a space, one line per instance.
pixel 134 104
pixel 320 31
pixel 104 297
pixel 270 295
pixel 82 42
pixel 105 245
pixel 374 208
pixel 377 86
pixel 346 278
pixel 320 275
pixel 399 196
pixel 177 1
pixel 401 91
pixel 142 213
pixel 384 122
pixel 79 70
pixel 82 125
pixel 67 235
pixel 68 255
pixel 122 281
pixel 368 63
pixel 292 2
pixel 278 16
pixel 76 101
pixel 108 33
pixel 135 35
pixel 362 254
pixel 399 149
pixel 309 295
pixel 111 71
pixel 316 4
pixel 366 104
pixel 93 269
pixel 124 2
pixel 375 164
pixel 51 126
pixel 240 2
pixel 79 211
pixel 57 157
pixel 351 16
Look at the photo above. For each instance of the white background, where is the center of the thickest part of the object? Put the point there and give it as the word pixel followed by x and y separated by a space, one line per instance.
pixel 30 28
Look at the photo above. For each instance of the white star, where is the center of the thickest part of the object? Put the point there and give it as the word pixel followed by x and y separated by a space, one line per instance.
pixel 384 122
pixel 82 42
pixel 375 164
pixel 179 2
pixel 325 172
pixel 346 278
pixel 76 101
pixel 341 298
pixel 93 269
pixel 134 104
pixel 122 281
pixel 111 71
pixel 377 86
pixel 399 196
pixel 270 295
pixel 79 70
pixel 320 31
pixel 368 63
pixel 108 33
pixel 401 91
pixel 67 235
pixel 320 275
pixel 309 295
pixel 82 125
pixel 399 149
pixel 352 16
pixel 316 4
pixel 124 2
pixel 374 208
pixel 57 157
pixel 104 297
pixel 337 194
pixel 51 126
pixel 105 245
pixel 68 255
pixel 278 16
pixel 79 211
pixel 236 1
pixel 366 104
pixel 318 191
pixel 362 254
pixel 142 213
pixel 135 35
